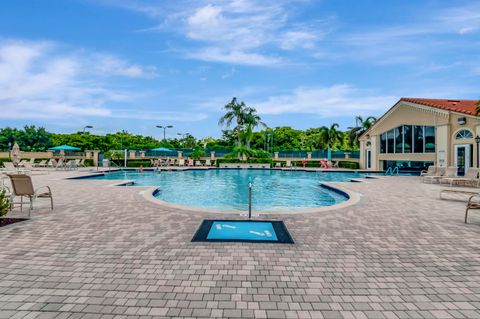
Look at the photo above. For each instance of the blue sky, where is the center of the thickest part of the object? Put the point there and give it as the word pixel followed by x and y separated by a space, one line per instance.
pixel 124 64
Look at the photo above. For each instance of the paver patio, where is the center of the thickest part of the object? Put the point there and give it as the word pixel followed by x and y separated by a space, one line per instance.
pixel 106 252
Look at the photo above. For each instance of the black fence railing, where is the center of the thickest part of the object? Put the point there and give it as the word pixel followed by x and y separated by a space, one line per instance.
pixel 316 154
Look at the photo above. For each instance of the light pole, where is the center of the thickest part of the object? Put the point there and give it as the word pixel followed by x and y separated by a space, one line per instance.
pixel 87 126
pixel 164 130
pixel 183 136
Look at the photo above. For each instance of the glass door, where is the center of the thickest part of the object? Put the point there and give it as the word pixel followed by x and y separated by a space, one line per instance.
pixel 462 158
pixel 368 159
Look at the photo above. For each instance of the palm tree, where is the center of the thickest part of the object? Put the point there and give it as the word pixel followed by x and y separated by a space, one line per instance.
pixel 235 111
pixel 361 126
pixel 329 136
pixel 251 121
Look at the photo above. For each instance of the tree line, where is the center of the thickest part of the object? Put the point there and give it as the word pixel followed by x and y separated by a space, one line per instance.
pixel 239 123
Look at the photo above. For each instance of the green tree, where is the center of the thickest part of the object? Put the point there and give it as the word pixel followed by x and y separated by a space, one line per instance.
pixel 329 136
pixel 251 121
pixel 361 126
pixel 235 111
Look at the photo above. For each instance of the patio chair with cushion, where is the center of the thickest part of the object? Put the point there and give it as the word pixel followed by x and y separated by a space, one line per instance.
pixel 470 178
pixel 22 186
pixel 439 172
pixel 450 172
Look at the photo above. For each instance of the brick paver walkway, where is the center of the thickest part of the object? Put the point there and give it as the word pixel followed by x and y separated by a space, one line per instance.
pixel 106 252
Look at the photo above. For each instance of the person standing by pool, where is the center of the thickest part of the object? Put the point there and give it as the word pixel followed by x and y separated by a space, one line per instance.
pixel 140 169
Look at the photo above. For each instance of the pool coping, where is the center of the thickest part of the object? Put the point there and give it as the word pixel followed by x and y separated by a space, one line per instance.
pixel 352 199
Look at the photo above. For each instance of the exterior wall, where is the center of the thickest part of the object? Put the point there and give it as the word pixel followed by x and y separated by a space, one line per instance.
pixel 442 138
pixel 445 122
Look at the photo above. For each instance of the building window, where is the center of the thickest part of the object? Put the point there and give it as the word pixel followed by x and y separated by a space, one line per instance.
pixel 418 139
pixel 463 134
pixel 390 141
pixel 383 143
pixel 399 139
pixel 407 139
pixel 429 139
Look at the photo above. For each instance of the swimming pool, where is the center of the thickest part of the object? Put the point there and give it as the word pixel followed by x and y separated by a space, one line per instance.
pixel 227 189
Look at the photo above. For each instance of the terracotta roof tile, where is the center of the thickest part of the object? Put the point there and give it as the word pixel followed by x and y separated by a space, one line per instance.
pixel 460 106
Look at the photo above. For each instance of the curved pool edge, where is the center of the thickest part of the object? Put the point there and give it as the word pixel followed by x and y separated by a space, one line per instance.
pixel 352 199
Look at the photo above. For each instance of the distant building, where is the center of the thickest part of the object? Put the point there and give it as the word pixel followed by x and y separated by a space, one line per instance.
pixel 415 133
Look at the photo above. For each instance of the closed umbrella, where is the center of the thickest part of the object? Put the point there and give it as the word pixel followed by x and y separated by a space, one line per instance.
pixel 15 154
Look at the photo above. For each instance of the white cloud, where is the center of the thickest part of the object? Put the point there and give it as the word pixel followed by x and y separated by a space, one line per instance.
pixel 110 65
pixel 298 39
pixel 331 101
pixel 39 80
pixel 233 32
pixel 234 57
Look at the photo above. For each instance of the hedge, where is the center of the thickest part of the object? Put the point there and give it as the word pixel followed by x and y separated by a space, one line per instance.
pixel 137 163
pixel 88 162
pixel 4 159
pixel 248 161
pixel 352 165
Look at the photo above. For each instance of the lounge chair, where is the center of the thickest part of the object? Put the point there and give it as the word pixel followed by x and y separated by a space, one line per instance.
pixel 59 164
pixel 52 163
pixel 42 163
pixel 191 162
pixel 288 163
pixel 473 203
pixel 22 186
pixel 9 167
pixel 431 171
pixel 181 162
pixel 450 172
pixel 335 165
pixel 471 177
pixel 71 165
pixel 198 163
pixel 22 162
pixel 439 172
pixel 208 162
pixel 278 164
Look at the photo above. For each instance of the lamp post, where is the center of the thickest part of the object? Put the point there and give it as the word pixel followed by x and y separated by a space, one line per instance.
pixel 183 136
pixel 477 140
pixel 87 126
pixel 164 129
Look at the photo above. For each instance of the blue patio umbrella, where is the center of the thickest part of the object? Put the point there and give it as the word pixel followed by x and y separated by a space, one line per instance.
pixel 64 148
pixel 161 149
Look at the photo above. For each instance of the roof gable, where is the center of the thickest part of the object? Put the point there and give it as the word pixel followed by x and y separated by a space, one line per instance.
pixel 461 106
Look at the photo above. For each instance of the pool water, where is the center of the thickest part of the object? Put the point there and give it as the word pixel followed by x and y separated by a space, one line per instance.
pixel 227 189
pixel 242 231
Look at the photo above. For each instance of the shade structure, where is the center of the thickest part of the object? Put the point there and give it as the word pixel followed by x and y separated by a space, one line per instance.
pixel 161 149
pixel 64 148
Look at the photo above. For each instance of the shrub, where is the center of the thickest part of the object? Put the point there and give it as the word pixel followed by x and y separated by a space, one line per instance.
pixel 248 161
pixel 137 163
pixel 4 159
pixel 4 203
pixel 196 154
pixel 352 165
pixel 88 162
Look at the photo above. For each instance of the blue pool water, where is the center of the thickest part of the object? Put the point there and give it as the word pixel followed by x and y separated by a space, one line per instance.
pixel 242 230
pixel 227 189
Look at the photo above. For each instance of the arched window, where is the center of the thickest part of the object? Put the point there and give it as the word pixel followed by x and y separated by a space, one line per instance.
pixel 463 134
